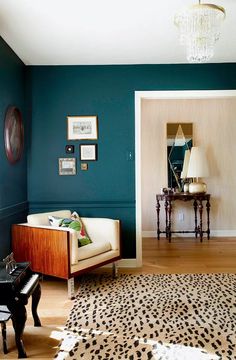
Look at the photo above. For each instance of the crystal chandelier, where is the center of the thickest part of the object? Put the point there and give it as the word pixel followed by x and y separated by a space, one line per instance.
pixel 199 27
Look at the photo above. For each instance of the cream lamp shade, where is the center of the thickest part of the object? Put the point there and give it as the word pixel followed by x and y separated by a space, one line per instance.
pixel 197 168
pixel 185 165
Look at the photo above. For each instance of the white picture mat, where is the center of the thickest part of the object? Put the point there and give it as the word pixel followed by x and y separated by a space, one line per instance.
pixel 67 166
pixel 88 152
pixel 82 127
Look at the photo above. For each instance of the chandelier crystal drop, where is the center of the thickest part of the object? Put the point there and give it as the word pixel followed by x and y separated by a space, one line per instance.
pixel 199 27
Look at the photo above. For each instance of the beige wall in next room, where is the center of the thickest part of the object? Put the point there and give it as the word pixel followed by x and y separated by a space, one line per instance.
pixel 214 128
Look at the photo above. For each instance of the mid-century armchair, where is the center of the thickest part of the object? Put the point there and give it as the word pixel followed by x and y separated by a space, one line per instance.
pixel 54 250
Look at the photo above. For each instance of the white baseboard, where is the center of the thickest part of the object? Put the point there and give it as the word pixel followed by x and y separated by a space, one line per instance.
pixel 221 233
pixel 127 263
pixel 124 263
pixel 150 234
pixel 216 233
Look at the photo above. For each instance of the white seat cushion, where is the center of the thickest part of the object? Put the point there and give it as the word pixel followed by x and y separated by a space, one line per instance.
pixel 93 249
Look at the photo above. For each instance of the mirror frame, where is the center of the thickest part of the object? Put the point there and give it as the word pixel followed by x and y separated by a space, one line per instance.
pixel 174 169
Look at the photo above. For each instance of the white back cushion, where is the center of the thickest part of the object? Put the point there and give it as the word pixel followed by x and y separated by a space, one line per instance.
pixel 42 218
pixel 103 230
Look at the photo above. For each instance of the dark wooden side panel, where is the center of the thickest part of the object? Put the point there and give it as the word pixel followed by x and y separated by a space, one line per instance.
pixel 47 250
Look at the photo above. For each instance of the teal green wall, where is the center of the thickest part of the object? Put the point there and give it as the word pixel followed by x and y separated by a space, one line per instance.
pixel 46 95
pixel 13 178
pixel 108 187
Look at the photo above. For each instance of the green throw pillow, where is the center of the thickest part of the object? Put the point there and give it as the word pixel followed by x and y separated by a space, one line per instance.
pixel 76 224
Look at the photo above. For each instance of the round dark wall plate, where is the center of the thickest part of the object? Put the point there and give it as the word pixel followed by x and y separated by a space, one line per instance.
pixel 13 134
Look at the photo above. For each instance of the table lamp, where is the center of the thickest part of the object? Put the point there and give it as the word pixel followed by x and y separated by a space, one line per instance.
pixel 197 168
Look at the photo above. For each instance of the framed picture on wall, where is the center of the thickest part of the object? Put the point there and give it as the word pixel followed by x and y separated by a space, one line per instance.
pixel 67 166
pixel 70 149
pixel 82 128
pixel 13 134
pixel 88 152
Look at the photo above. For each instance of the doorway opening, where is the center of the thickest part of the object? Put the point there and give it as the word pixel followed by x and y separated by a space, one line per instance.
pixel 140 97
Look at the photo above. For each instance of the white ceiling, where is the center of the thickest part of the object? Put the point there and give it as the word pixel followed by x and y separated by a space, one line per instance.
pixel 78 32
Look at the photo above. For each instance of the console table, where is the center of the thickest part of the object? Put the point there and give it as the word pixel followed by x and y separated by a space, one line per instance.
pixel 197 200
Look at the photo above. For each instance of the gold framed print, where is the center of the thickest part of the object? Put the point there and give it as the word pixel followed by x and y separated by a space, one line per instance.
pixel 82 127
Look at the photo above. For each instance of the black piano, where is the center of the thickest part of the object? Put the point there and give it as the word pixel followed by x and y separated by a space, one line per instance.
pixel 16 286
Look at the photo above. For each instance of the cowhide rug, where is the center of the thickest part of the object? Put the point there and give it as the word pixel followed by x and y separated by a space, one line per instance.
pixel 163 317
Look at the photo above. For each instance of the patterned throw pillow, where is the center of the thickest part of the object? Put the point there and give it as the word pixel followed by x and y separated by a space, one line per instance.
pixel 55 220
pixel 73 223
pixel 83 238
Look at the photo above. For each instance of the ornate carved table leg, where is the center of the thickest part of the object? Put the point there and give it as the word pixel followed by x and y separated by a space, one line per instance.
pixel 208 206
pixel 158 219
pixel 35 300
pixel 200 207
pixel 169 207
pixel 4 337
pixel 19 316
pixel 166 212
pixel 195 217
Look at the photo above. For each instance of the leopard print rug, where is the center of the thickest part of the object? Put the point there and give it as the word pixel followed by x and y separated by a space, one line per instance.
pixel 161 317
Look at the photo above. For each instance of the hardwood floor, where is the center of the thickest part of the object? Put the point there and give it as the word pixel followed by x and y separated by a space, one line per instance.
pixel 182 255
pixel 189 255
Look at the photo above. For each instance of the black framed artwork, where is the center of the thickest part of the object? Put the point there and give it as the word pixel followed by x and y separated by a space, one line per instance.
pixel 70 149
pixel 88 152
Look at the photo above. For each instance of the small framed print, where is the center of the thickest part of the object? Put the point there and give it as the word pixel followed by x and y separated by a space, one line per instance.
pixel 67 166
pixel 82 128
pixel 84 166
pixel 88 152
pixel 70 149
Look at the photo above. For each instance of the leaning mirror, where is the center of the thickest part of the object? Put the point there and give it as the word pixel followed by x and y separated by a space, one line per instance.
pixel 179 139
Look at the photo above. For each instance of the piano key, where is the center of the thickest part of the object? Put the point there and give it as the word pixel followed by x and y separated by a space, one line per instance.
pixel 29 284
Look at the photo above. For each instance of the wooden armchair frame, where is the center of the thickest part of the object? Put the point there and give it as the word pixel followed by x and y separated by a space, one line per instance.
pixel 49 252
